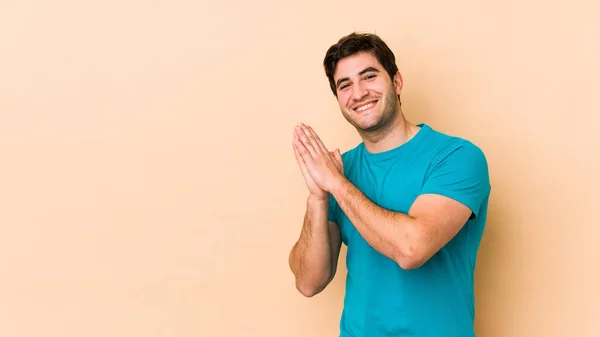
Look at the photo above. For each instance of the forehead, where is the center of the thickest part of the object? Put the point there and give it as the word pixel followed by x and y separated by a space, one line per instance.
pixel 350 66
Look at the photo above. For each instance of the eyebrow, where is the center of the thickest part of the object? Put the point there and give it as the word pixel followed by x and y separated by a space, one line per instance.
pixel 366 70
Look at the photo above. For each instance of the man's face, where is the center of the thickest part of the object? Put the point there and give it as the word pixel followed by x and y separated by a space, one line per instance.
pixel 367 96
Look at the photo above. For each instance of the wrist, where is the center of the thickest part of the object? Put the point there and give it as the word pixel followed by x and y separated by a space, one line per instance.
pixel 314 199
pixel 338 185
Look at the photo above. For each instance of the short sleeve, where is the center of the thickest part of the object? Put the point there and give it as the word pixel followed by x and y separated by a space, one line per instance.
pixel 460 174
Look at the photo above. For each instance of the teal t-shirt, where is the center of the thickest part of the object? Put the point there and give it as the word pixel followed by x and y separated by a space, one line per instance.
pixel 435 299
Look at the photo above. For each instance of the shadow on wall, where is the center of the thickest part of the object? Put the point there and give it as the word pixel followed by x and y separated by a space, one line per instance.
pixel 495 297
pixel 488 260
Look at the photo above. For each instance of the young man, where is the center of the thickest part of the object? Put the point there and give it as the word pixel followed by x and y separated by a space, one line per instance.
pixel 409 202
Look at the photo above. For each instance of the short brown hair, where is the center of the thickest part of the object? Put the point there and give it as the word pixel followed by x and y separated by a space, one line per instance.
pixel 355 43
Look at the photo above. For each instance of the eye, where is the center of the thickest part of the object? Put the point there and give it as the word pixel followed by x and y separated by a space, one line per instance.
pixel 370 76
pixel 344 86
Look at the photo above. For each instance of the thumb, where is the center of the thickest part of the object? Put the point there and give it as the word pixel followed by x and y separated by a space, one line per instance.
pixel 338 156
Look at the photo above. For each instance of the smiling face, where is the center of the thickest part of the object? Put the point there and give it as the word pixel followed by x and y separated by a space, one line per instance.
pixel 367 97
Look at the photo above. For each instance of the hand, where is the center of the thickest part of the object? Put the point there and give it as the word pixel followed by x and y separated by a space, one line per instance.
pixel 314 190
pixel 324 168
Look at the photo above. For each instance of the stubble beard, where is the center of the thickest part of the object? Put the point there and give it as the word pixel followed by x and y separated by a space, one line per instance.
pixel 381 122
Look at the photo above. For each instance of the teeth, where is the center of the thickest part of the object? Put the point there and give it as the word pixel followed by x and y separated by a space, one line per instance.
pixel 365 107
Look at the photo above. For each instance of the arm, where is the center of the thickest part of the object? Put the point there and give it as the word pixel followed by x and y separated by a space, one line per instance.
pixel 452 194
pixel 408 239
pixel 314 257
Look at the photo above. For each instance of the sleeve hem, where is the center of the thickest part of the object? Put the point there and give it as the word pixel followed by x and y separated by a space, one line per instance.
pixel 471 203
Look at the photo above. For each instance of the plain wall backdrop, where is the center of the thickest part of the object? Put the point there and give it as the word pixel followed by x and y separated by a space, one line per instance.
pixel 148 185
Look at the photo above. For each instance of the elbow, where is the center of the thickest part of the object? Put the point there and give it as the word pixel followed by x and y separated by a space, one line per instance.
pixel 410 263
pixel 412 257
pixel 414 250
pixel 312 286
pixel 307 289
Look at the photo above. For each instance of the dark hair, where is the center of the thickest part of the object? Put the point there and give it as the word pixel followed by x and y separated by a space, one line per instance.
pixel 355 43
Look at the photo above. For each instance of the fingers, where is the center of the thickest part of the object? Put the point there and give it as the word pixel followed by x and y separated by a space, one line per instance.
pixel 310 144
pixel 312 136
pixel 302 153
pixel 299 159
pixel 297 154
pixel 306 142
pixel 299 149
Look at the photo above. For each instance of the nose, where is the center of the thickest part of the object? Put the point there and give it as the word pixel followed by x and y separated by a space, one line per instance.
pixel 359 91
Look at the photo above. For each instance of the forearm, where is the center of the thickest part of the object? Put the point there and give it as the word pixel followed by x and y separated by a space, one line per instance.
pixel 311 258
pixel 393 234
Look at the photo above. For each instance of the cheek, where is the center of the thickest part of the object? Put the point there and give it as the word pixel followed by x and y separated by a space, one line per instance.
pixel 342 100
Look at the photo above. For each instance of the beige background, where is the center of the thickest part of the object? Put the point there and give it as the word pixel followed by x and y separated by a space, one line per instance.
pixel 145 147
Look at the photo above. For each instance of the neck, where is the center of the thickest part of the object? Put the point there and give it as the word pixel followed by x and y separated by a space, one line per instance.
pixel 396 133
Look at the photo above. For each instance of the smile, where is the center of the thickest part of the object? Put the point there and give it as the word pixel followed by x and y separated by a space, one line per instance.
pixel 365 107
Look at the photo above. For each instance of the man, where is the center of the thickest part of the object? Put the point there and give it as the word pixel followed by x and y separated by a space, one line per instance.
pixel 409 202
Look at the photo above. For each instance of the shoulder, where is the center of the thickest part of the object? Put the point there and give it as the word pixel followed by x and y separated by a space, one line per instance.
pixel 455 149
pixel 457 160
pixel 458 170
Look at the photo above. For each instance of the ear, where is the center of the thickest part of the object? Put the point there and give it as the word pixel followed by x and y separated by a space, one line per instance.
pixel 398 82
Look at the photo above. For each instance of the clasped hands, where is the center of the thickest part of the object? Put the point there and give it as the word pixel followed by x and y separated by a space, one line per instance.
pixel 322 169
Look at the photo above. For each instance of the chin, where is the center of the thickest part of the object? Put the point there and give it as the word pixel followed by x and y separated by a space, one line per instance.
pixel 371 121
pixel 368 125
